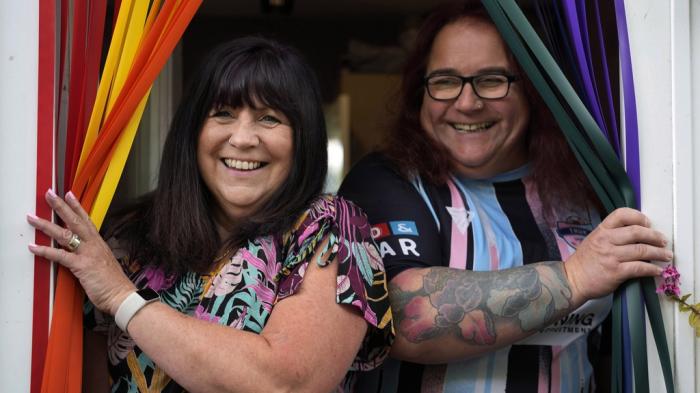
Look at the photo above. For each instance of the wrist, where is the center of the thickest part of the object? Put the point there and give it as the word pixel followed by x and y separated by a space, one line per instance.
pixel 132 304
pixel 577 297
pixel 119 298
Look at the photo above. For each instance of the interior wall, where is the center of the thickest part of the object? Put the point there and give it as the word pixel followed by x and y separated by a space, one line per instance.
pixel 323 41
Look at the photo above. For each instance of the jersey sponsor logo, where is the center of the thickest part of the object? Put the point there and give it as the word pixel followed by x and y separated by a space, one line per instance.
pixel 582 319
pixel 407 247
pixel 385 249
pixel 574 229
pixel 573 325
pixel 403 228
pixel 399 244
pixel 380 230
pixel 461 218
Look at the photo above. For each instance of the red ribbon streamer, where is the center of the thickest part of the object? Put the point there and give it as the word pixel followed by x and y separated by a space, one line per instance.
pixel 44 178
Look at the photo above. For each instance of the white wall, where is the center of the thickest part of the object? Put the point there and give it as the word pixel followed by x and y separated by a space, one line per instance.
pixel 692 254
pixel 662 34
pixel 18 112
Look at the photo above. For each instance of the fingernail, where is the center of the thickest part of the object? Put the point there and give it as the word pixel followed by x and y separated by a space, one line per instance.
pixel 32 247
pixel 70 195
pixel 669 255
pixel 659 271
pixel 32 217
pixel 51 194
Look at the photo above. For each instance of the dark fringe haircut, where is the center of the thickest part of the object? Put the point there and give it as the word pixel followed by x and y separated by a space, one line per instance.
pixel 557 175
pixel 173 227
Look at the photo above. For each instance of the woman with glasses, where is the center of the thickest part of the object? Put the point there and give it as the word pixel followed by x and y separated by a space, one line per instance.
pixel 474 202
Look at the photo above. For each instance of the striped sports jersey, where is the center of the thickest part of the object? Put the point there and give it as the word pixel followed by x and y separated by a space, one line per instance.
pixel 480 225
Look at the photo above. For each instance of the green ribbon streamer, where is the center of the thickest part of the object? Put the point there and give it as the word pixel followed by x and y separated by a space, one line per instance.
pixel 603 170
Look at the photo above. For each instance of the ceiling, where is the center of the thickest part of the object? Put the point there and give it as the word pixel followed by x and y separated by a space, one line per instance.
pixel 319 8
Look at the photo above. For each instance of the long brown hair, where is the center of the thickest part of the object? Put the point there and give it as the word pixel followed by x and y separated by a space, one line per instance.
pixel 555 171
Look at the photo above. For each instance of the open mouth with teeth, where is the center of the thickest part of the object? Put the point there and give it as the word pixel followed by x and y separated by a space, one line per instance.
pixel 470 128
pixel 243 165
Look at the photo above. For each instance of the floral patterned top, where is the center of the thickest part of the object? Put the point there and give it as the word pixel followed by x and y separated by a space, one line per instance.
pixel 242 291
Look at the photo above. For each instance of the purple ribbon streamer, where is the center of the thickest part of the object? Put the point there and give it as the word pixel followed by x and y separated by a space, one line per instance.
pixel 631 138
pixel 631 159
pixel 544 21
pixel 612 116
pixel 631 129
pixel 572 19
pixel 569 59
pixel 579 38
pixel 597 103
pixel 550 29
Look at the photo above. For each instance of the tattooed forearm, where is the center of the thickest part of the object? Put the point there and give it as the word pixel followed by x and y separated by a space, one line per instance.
pixel 473 306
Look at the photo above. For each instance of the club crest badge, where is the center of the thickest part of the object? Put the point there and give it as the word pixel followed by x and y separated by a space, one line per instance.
pixel 574 229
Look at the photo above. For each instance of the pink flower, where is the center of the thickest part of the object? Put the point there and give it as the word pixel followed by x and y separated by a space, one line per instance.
pixel 672 282
pixel 668 290
pixel 671 288
pixel 671 273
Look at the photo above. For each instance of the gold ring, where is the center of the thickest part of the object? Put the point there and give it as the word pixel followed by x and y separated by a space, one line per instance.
pixel 73 243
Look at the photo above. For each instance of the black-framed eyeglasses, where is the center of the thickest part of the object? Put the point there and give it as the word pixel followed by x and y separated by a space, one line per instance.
pixel 491 86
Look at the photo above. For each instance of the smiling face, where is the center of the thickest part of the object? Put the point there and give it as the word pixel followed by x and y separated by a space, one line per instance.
pixel 244 155
pixel 484 137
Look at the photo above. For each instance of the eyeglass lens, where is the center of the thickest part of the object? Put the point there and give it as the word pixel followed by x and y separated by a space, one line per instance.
pixel 447 87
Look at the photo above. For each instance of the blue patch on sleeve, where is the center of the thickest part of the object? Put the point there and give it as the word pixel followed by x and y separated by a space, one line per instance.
pixel 403 228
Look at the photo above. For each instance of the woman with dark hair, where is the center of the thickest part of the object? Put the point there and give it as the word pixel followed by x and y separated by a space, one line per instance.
pixel 235 274
pixel 472 198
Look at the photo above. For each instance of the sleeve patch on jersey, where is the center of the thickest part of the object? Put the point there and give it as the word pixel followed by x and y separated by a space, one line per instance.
pixel 406 247
pixel 380 230
pixel 403 228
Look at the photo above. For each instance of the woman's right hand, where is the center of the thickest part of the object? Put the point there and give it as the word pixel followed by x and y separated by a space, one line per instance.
pixel 616 251
pixel 91 260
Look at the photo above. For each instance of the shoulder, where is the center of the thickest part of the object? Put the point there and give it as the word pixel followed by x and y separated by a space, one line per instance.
pixel 330 227
pixel 329 212
pixel 375 181
pixel 373 169
pixel 374 162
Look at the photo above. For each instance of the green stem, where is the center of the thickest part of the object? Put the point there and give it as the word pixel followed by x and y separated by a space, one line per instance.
pixel 690 306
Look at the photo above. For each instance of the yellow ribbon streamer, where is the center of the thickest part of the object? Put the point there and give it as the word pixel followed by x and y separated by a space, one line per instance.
pixel 111 63
pixel 116 166
pixel 135 33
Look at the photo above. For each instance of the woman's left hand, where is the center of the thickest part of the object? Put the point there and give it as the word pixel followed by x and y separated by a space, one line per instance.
pixel 88 257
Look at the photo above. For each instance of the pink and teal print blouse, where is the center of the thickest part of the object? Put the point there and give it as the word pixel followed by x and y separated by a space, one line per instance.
pixel 242 291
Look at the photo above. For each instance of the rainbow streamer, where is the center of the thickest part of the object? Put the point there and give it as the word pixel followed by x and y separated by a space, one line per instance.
pixel 144 34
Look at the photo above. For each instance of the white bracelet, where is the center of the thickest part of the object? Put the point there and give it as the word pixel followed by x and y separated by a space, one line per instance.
pixel 132 304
